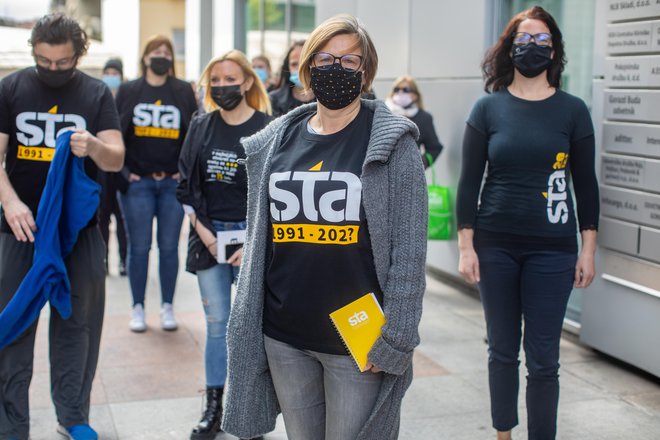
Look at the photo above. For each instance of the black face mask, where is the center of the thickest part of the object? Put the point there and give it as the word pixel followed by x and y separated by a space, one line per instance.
pixel 227 97
pixel 335 88
pixel 54 78
pixel 160 65
pixel 531 59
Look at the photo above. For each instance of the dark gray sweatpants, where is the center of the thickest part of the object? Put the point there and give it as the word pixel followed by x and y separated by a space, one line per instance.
pixel 74 342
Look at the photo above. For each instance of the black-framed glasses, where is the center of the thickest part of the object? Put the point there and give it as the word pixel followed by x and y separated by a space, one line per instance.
pixel 403 90
pixel 541 39
pixel 349 62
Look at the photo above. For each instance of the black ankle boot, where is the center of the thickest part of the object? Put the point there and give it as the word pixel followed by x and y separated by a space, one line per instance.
pixel 209 426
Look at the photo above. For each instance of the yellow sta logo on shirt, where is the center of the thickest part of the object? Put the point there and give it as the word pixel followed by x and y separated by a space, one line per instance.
pixel 156 120
pixel 36 132
pixel 334 206
pixel 556 196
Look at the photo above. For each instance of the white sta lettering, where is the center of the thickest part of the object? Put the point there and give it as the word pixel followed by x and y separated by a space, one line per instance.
pixel 43 128
pixel 288 198
pixel 351 194
pixel 557 206
pixel 358 318
pixel 155 115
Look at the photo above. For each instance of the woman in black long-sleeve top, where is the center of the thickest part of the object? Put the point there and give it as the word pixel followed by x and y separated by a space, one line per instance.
pixel 404 99
pixel 520 243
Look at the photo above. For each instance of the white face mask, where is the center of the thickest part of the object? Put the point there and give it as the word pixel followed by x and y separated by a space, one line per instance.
pixel 402 99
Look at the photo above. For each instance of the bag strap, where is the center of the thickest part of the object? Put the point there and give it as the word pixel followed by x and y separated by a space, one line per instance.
pixel 429 159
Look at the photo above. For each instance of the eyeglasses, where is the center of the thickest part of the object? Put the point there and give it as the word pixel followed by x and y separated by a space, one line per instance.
pixel 541 39
pixel 403 89
pixel 62 64
pixel 324 61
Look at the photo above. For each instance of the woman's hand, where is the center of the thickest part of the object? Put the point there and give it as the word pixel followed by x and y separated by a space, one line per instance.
pixel 371 367
pixel 468 262
pixel 236 257
pixel 468 265
pixel 585 268
pixel 132 177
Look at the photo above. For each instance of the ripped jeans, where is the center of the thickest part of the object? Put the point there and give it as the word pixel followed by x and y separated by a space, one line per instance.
pixel 215 288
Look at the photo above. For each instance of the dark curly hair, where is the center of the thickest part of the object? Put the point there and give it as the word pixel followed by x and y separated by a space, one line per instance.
pixel 498 66
pixel 57 28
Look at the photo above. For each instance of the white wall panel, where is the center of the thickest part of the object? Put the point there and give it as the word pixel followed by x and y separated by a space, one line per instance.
pixel 327 8
pixel 447 38
pixel 450 102
pixel 388 24
pixel 125 39
pixel 193 37
pixel 223 26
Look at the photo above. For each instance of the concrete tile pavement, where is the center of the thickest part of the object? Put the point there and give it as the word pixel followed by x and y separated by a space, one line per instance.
pixel 149 386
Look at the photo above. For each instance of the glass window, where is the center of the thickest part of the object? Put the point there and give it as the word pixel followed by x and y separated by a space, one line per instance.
pixel 269 30
pixel 303 19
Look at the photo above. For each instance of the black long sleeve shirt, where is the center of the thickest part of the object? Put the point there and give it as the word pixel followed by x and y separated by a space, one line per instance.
pixel 532 150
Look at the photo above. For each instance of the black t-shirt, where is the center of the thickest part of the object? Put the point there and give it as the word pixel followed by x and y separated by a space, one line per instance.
pixel 225 180
pixel 527 187
pixel 154 138
pixel 321 252
pixel 33 114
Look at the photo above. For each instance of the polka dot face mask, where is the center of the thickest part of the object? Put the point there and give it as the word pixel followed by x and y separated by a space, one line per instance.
pixel 334 87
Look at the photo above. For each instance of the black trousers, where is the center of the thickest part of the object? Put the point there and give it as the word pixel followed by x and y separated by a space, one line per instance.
pixel 110 206
pixel 74 342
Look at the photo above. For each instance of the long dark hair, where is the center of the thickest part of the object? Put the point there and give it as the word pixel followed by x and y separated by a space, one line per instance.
pixel 285 74
pixel 498 66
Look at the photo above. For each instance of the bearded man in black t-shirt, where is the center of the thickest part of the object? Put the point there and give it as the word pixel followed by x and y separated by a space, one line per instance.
pixel 37 104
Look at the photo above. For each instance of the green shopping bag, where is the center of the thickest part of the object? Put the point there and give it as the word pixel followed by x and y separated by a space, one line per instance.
pixel 440 212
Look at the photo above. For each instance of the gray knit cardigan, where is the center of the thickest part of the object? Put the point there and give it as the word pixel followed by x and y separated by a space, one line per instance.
pixel 395 204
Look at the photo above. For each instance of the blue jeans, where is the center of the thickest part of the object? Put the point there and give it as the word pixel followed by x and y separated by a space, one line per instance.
pixel 215 288
pixel 144 200
pixel 532 287
pixel 322 396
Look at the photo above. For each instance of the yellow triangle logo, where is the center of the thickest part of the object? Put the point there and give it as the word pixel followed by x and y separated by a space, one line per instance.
pixel 159 102
pixel 317 167
pixel 53 110
pixel 545 194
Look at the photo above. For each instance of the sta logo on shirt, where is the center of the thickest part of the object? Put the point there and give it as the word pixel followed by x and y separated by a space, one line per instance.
pixel 319 210
pixel 37 131
pixel 156 120
pixel 556 195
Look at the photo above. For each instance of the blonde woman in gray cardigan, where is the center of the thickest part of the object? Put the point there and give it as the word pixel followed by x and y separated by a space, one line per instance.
pixel 336 208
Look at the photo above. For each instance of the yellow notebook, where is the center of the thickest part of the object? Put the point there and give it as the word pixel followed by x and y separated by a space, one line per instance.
pixel 359 325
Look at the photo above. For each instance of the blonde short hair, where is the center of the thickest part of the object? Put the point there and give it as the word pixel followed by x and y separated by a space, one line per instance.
pixel 256 97
pixel 413 88
pixel 339 25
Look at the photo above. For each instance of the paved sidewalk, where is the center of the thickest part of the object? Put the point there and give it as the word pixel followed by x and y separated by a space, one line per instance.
pixel 149 386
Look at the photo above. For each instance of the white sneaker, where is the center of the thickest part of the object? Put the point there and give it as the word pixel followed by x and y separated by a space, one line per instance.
pixel 137 323
pixel 167 321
